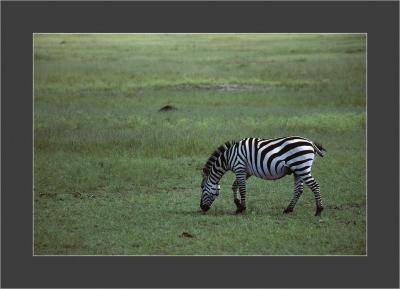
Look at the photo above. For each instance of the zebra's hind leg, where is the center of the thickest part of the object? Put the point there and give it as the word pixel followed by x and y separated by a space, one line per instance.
pixel 314 186
pixel 298 190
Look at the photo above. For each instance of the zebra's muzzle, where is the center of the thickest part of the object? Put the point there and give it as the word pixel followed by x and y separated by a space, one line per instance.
pixel 205 208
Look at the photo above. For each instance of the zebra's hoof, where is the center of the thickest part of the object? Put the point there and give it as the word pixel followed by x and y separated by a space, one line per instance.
pixel 240 210
pixel 288 210
pixel 318 211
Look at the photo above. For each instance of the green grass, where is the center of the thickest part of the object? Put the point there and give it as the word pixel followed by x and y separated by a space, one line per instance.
pixel 112 175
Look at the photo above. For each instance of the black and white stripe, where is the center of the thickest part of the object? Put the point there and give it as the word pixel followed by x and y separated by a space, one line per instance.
pixel 268 159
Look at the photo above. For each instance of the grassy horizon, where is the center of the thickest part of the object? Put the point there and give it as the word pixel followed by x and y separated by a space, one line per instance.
pixel 113 175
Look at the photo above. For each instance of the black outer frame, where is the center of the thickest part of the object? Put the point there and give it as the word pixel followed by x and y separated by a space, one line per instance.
pixel 379 269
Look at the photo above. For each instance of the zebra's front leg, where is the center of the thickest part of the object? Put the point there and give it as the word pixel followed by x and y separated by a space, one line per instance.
pixel 241 181
pixel 298 190
pixel 235 189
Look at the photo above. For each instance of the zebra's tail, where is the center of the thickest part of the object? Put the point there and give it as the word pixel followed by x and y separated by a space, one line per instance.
pixel 319 149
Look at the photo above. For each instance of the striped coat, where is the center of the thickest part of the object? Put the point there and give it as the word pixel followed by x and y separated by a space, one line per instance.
pixel 268 159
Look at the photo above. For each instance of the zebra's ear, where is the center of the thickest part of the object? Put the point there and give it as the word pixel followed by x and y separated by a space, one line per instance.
pixel 206 171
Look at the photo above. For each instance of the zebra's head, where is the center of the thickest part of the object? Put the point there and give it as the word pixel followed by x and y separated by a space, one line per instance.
pixel 209 191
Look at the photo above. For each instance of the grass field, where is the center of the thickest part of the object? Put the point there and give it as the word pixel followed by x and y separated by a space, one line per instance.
pixel 114 176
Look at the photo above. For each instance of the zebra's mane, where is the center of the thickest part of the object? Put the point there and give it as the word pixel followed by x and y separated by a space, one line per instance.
pixel 216 154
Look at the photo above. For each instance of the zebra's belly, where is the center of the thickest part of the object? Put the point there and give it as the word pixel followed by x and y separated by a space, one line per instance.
pixel 268 175
pixel 276 176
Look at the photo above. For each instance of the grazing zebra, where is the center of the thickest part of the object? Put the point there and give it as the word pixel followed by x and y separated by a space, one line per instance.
pixel 268 159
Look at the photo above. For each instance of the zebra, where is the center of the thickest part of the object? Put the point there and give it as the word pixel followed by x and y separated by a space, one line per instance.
pixel 268 159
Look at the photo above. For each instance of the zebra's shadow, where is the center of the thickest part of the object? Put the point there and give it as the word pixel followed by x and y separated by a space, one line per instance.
pixel 273 212
pixel 227 212
pixel 208 213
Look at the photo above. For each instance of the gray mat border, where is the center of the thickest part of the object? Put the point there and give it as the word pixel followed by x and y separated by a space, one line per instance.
pixel 378 19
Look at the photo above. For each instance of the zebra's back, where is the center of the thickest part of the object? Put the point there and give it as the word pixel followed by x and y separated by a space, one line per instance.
pixel 274 158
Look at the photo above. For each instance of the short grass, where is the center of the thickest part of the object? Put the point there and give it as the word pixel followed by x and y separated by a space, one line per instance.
pixel 113 176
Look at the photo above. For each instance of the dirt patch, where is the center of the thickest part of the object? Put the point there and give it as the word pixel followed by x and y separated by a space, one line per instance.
pixel 47 195
pixel 186 235
pixel 167 108
pixel 77 195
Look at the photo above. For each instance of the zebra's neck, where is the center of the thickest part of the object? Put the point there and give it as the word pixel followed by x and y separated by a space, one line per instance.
pixel 217 169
